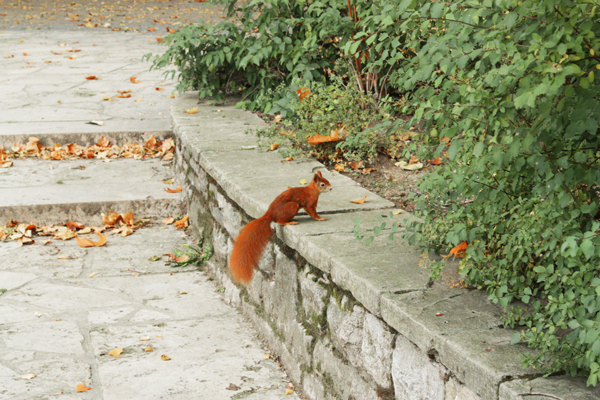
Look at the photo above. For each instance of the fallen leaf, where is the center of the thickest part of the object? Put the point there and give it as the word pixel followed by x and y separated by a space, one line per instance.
pixel 74 226
pixel 28 376
pixel 148 349
pixel 303 181
pixel 176 190
pixel 92 274
pixel 168 221
pixel 182 223
pixel 409 167
pixel 74 51
pixel 159 88
pixel 168 181
pixel 81 388
pixel 92 77
pixel 436 161
pixel 138 100
pixel 124 96
pixel 439 314
pixel 83 242
pixel 182 258
pixel 100 123
pixel 165 357
pixel 445 140
pixel 107 98
pixel 288 158
pixel 191 110
pixel 458 251
pixel 274 146
pixel 232 387
pixel 361 201
pixel 396 212
pixel 145 338
pixel 133 79
pixel 339 167
pixel 288 392
pixel 333 137
pixel 116 352
pixel 413 160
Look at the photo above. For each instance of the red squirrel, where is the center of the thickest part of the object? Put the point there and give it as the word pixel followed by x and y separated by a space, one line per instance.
pixel 253 238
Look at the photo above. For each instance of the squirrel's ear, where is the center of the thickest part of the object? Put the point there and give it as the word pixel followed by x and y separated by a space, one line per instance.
pixel 319 173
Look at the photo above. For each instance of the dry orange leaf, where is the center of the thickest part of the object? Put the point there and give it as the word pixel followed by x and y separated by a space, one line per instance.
pixel 116 352
pixel 176 190
pixel 165 357
pixel 159 88
pixel 333 137
pixel 182 258
pixel 83 242
pixel 339 167
pixel 458 251
pixel 303 92
pixel 81 388
pixel 123 96
pixel 413 160
pixel 128 218
pixel 92 77
pixel 74 226
pixel 74 51
pixel 445 140
pixel 288 158
pixel 274 146
pixel 436 161
pixel 182 223
pixel 191 110
pixel 133 79
pixel 168 221
pixel 111 218
pixel 359 201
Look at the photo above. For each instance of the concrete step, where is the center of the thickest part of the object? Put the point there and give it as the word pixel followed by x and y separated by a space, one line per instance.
pixel 44 191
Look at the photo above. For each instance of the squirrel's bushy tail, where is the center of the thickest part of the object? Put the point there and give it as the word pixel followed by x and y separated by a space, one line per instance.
pixel 247 249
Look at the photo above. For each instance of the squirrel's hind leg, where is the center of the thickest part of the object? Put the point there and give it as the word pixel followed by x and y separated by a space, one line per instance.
pixel 285 213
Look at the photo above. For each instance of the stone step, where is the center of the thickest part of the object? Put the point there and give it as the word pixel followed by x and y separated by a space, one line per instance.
pixel 45 191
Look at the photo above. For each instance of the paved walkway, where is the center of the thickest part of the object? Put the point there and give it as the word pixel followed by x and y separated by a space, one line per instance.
pixel 63 308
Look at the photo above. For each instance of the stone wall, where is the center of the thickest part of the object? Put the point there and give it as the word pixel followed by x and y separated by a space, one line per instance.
pixel 347 321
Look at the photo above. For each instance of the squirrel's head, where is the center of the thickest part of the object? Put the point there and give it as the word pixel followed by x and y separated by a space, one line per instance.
pixel 321 183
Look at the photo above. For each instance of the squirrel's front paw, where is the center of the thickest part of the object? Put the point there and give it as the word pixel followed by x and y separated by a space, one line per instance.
pixel 321 219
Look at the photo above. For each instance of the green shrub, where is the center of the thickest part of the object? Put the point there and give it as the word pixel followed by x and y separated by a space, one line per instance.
pixel 274 41
pixel 513 86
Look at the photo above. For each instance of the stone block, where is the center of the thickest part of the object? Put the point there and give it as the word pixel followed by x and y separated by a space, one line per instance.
pixel 225 214
pixel 340 378
pixel 415 376
pixel 312 388
pixel 555 387
pixel 377 350
pixel 314 296
pixel 220 244
pixel 346 329
pixel 285 295
pixel 457 391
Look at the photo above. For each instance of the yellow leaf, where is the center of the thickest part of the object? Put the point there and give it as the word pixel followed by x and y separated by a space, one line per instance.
pixel 165 357
pixel 191 110
pixel 274 146
pixel 116 352
pixel 28 376
pixel 303 181
pixel 148 349
pixel 359 201
pixel 92 274
pixel 176 190
pixel 83 242
pixel 396 212
pixel 81 388
pixel 288 392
